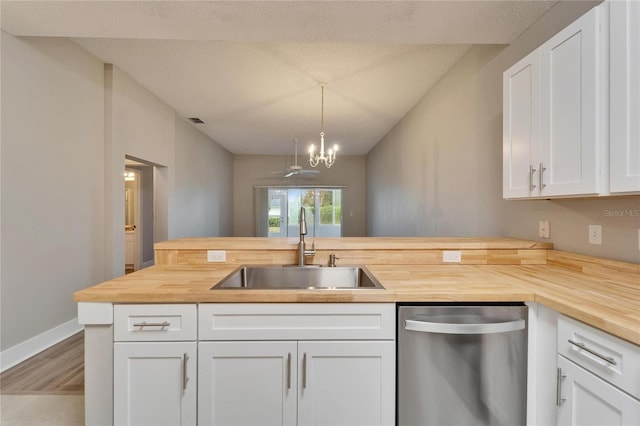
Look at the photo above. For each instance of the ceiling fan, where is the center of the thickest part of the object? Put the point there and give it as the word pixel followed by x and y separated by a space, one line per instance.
pixel 295 169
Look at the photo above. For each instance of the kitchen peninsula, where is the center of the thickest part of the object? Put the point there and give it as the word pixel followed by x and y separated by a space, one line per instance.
pixel 602 293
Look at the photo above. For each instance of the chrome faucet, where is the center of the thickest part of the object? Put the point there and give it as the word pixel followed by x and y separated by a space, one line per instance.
pixel 302 247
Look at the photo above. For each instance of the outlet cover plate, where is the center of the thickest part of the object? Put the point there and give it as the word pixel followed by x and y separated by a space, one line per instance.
pixel 452 256
pixel 595 234
pixel 216 255
pixel 543 229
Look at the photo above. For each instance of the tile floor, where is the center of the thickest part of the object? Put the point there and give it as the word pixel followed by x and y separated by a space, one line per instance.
pixel 42 410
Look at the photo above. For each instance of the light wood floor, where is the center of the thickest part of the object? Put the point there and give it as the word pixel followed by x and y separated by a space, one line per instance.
pixel 58 370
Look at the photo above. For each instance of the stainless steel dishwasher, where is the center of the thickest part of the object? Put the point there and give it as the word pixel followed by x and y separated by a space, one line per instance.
pixel 462 364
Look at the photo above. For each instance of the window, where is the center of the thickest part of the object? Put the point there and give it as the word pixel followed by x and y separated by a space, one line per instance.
pixel 278 211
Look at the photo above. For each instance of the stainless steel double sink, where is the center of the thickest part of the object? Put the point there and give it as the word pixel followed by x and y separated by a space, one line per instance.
pixel 299 278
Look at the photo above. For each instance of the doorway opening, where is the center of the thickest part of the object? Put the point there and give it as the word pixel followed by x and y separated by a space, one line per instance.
pixel 138 214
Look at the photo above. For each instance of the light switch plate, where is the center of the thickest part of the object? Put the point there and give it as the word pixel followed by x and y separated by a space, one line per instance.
pixel 452 256
pixel 595 234
pixel 216 255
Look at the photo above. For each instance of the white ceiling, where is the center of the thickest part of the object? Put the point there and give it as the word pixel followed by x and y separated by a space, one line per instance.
pixel 251 69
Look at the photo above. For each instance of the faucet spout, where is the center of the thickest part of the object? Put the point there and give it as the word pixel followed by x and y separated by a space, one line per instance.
pixel 303 223
pixel 302 246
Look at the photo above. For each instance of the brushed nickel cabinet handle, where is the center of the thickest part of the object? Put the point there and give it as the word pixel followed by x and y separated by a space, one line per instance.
pixel 541 185
pixel 151 324
pixel 581 345
pixel 531 172
pixel 185 379
pixel 289 371
pixel 559 378
pixel 304 371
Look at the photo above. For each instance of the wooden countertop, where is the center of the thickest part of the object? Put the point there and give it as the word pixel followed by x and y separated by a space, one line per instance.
pixel 597 297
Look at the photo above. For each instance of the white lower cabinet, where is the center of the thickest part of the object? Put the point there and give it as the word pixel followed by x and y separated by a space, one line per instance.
pixel 254 364
pixel 247 383
pixel 585 399
pixel 346 383
pixel 597 377
pixel 296 382
pixel 154 383
pixel 154 365
pixel 296 364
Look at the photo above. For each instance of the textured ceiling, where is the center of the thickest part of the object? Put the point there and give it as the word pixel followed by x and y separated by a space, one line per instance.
pixel 251 70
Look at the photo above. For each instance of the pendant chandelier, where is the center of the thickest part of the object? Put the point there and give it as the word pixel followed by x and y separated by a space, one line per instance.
pixel 330 157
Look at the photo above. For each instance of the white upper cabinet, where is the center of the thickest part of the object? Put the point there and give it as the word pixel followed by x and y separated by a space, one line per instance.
pixel 521 109
pixel 624 119
pixel 570 120
pixel 571 113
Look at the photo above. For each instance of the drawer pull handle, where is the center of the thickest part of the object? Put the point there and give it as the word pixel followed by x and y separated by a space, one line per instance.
pixel 581 345
pixel 144 324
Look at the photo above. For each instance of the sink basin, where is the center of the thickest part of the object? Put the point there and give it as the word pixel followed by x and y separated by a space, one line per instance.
pixel 299 278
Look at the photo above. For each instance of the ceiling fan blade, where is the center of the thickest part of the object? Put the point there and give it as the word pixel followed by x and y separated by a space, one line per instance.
pixel 290 174
pixel 309 172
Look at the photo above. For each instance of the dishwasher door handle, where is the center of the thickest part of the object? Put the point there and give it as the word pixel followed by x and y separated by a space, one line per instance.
pixel 459 328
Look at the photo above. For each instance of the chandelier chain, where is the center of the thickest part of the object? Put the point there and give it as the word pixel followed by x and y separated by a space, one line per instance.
pixel 322 111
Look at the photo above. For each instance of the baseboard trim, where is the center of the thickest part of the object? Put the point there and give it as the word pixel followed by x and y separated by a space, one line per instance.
pixel 25 350
pixel 148 263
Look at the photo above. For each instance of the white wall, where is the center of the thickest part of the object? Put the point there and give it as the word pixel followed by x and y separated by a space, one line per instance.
pixel 254 170
pixel 203 173
pixel 52 219
pixel 439 171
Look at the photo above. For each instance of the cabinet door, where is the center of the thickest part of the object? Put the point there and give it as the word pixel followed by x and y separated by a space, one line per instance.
pixel 589 400
pixel 247 383
pixel 570 75
pixel 625 96
pixel 346 383
pixel 521 127
pixel 154 383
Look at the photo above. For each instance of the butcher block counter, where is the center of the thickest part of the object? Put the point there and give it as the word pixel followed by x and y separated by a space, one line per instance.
pixel 599 292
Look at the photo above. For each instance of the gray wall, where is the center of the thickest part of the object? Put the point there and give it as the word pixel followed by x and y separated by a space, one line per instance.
pixel 202 203
pixel 67 123
pixel 439 171
pixel 52 183
pixel 254 170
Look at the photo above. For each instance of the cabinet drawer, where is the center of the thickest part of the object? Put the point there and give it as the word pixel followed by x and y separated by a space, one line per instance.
pixel 615 360
pixel 154 322
pixel 286 321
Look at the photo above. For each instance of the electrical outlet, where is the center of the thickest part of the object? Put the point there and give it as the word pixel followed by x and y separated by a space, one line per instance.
pixel 543 229
pixel 216 255
pixel 595 234
pixel 452 256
